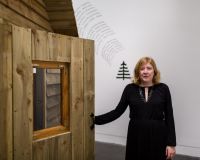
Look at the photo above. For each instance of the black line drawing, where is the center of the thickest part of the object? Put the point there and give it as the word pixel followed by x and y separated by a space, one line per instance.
pixel 123 72
pixel 91 25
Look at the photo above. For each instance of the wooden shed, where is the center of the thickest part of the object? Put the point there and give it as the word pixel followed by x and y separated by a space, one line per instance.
pixel 46 83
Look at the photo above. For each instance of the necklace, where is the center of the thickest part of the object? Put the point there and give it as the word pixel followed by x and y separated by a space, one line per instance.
pixel 142 96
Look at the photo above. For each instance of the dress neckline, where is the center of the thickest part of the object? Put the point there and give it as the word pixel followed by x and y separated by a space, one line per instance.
pixel 146 86
pixel 152 86
pixel 142 93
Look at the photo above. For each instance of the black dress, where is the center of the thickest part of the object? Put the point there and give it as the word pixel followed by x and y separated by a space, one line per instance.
pixel 151 127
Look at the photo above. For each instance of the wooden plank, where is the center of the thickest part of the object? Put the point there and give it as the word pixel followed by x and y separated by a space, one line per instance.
pixel 65 97
pixel 16 19
pixel 58 3
pixel 22 94
pixel 70 32
pixel 63 24
pixel 53 71
pixel 41 2
pixel 28 13
pixel 56 148
pixel 53 112
pixel 49 133
pixel 1 20
pixel 88 99
pixel 39 8
pixel 60 47
pixel 52 79
pixel 4 1
pixel 6 147
pixel 58 7
pixel 76 90
pixel 40 46
pixel 53 101
pixel 53 90
pixel 50 46
pixel 61 15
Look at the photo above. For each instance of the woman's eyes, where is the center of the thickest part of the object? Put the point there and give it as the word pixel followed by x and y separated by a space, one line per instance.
pixel 141 69
pixel 148 68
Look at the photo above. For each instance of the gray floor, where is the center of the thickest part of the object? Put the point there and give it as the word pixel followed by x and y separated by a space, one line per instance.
pixel 107 151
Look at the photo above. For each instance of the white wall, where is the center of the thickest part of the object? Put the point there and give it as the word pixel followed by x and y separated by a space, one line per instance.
pixel 125 30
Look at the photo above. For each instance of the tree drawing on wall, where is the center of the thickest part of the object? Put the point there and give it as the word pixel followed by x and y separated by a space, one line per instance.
pixel 123 72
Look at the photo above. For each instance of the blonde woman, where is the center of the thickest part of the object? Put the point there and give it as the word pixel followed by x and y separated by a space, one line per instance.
pixel 151 131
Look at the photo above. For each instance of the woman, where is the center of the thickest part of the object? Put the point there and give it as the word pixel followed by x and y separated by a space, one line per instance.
pixel 151 131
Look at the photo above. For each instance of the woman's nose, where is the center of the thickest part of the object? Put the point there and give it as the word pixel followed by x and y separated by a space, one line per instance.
pixel 145 70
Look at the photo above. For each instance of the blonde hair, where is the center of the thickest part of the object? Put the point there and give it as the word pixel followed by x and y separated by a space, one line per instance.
pixel 142 61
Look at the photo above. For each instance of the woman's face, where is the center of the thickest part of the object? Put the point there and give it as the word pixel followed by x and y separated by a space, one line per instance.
pixel 146 73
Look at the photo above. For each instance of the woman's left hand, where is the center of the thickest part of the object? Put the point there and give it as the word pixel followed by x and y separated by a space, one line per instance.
pixel 170 152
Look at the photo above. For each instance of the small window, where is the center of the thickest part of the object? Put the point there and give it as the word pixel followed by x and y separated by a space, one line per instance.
pixel 50 98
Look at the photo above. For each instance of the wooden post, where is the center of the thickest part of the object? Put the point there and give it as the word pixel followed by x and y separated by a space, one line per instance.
pixel 76 90
pixel 88 79
pixel 6 146
pixel 22 94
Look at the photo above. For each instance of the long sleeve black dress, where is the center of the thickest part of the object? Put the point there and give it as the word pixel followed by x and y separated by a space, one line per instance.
pixel 151 127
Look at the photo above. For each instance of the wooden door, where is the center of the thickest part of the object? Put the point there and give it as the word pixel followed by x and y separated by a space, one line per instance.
pixel 72 139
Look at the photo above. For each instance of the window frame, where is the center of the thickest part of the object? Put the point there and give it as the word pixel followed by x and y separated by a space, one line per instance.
pixel 65 109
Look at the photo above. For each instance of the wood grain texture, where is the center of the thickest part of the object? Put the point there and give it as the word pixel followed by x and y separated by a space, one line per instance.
pixel 52 79
pixel 88 99
pixel 40 46
pixel 38 7
pixel 41 2
pixel 65 97
pixel 6 146
pixel 58 5
pixel 61 16
pixel 54 16
pixel 24 14
pixel 60 47
pixel 55 148
pixel 17 95
pixel 22 94
pixel 50 47
pixel 76 90
pixel 65 24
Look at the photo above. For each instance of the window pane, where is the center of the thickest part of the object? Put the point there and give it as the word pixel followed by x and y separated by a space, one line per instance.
pixel 47 98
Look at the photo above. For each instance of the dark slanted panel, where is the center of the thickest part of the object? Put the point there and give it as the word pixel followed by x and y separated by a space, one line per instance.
pixel 61 15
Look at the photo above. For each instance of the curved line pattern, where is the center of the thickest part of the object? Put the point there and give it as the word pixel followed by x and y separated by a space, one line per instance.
pixel 91 25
